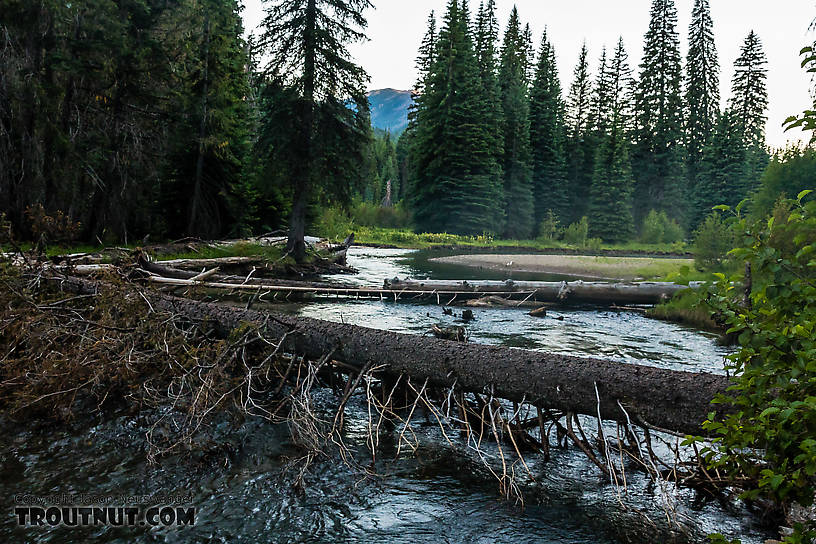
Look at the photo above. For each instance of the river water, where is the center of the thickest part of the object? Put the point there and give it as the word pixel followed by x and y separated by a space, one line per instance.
pixel 436 494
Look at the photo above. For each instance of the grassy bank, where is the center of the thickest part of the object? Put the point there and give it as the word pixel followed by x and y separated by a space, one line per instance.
pixel 686 308
pixel 408 239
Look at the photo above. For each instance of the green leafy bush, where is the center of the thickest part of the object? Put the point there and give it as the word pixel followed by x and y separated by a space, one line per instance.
pixel 768 443
pixel 373 215
pixel 334 223
pixel 576 234
pixel 548 229
pixel 713 239
pixel 658 228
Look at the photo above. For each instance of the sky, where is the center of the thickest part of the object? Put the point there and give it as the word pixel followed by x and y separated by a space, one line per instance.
pixel 396 27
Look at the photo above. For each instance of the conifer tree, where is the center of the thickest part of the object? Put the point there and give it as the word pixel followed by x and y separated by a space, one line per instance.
pixel 204 181
pixel 600 101
pixel 702 88
pixel 657 160
pixel 579 98
pixel 749 93
pixel 610 208
pixel 580 143
pixel 486 38
pixel 518 187
pixel 306 42
pixel 424 61
pixel 722 178
pixel 457 185
pixel 749 101
pixel 547 140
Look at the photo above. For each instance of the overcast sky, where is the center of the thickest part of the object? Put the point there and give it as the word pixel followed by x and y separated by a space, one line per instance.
pixel 396 28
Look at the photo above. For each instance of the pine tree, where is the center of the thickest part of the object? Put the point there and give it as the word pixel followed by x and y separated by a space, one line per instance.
pixel 601 97
pixel 518 187
pixel 749 101
pixel 457 186
pixel 486 38
pixel 657 160
pixel 620 89
pixel 580 144
pixel 306 42
pixel 547 140
pixel 702 88
pixel 610 208
pixel 204 181
pixel 722 178
pixel 579 98
pixel 749 93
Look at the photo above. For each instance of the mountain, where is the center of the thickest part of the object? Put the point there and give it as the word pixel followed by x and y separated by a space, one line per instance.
pixel 389 109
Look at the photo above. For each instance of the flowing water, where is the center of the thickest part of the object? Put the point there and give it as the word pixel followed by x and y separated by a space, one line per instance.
pixel 436 494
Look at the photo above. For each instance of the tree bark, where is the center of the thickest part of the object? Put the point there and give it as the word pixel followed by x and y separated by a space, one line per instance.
pixel 667 399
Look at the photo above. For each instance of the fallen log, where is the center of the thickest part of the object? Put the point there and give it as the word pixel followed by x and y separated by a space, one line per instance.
pixel 654 397
pixel 578 291
pixel 502 302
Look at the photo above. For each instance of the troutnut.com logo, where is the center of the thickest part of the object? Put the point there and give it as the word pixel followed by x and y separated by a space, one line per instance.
pixel 122 516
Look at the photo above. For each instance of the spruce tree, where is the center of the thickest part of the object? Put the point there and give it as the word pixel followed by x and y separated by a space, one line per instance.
pixel 580 145
pixel 601 97
pixel 749 92
pixel 547 140
pixel 722 178
pixel 702 88
pixel 518 187
pixel 657 159
pixel 457 185
pixel 204 179
pixel 610 208
pixel 486 41
pixel 579 98
pixel 749 101
pixel 306 42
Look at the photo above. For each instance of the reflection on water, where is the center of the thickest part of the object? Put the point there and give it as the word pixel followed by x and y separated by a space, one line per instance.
pixel 437 494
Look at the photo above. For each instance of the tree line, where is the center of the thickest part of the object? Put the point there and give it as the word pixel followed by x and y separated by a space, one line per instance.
pixel 157 117
pixel 495 145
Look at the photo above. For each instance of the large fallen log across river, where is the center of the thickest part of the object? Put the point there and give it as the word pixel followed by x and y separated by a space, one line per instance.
pixel 656 397
pixel 576 291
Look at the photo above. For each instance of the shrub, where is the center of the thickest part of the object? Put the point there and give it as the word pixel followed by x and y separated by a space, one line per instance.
pixel 548 229
pixel 653 229
pixel 374 215
pixel 713 239
pixel 55 228
pixel 594 244
pixel 658 228
pixel 334 223
pixel 576 234
pixel 766 443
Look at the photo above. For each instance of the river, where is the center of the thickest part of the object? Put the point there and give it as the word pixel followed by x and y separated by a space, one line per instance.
pixel 436 494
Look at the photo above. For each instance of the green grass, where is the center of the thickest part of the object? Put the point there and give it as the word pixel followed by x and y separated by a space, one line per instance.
pixel 240 249
pixel 410 240
pixel 687 308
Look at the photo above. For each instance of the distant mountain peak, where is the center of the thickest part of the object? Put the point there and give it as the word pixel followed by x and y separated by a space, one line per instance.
pixel 389 109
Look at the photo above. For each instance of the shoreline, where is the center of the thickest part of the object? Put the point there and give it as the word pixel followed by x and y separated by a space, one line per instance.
pixel 595 267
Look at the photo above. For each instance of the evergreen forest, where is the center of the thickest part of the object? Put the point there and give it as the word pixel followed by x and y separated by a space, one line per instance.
pixel 160 119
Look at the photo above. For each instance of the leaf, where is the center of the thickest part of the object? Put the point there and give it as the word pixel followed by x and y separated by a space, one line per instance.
pixel 803 194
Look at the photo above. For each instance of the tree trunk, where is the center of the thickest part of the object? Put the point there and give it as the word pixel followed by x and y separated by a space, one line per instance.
pixel 577 291
pixel 196 204
pixel 667 399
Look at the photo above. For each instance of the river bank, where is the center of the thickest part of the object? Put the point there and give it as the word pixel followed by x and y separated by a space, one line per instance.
pixel 607 268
